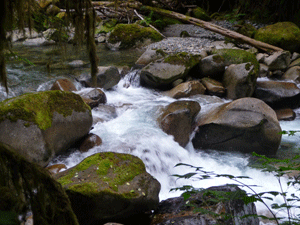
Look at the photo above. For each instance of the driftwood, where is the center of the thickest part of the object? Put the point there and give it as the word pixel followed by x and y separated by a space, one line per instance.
pixel 217 29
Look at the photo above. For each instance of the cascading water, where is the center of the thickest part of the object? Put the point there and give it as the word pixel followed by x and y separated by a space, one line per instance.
pixel 134 130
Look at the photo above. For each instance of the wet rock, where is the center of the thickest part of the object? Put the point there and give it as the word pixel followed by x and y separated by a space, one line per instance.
pixel 283 34
pixel 186 89
pixel 244 125
pixel 104 113
pixel 149 56
pixel 285 114
pixel 107 77
pixel 163 72
pixel 278 94
pixel 40 125
pixel 94 97
pixel 91 141
pixel 213 87
pixel 278 61
pixel 212 66
pixel 177 119
pixel 54 169
pixel 292 73
pixel 264 71
pixel 109 187
pixel 177 211
pixel 239 80
pixel 27 187
pixel 63 85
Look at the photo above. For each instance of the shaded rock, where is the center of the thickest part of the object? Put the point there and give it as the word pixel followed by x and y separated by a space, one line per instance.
pixel 245 125
pixel 261 57
pixel 239 80
pixel 295 56
pixel 131 35
pixel 264 71
pixel 52 10
pixel 149 56
pixel 28 187
pixel 107 77
pixel 213 87
pixel 292 73
pixel 40 125
pixel 278 60
pixel 92 140
pixel 94 97
pixel 163 72
pixel 186 89
pixel 54 169
pixel 285 114
pixel 212 66
pixel 200 13
pixel 177 119
pixel 177 211
pixel 108 187
pixel 283 34
pixel 63 85
pixel 278 94
pixel 295 63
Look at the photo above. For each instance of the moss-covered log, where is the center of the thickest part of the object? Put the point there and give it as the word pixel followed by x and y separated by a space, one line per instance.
pixel 215 28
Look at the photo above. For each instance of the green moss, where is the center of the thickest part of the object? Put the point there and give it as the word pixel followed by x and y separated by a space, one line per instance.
pixel 237 56
pixel 85 188
pixel 38 108
pixel 183 58
pixel 218 58
pixel 131 34
pixel 112 168
pixel 284 34
pixel 200 14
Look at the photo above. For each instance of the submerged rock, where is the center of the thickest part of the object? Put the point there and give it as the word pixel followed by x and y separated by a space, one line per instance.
pixel 177 119
pixel 27 187
pixel 40 125
pixel 108 187
pixel 245 125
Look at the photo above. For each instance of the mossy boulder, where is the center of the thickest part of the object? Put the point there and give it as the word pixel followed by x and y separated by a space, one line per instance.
pixel 106 26
pixel 163 72
pixel 285 35
pixel 109 186
pixel 131 35
pixel 42 124
pixel 25 186
pixel 200 13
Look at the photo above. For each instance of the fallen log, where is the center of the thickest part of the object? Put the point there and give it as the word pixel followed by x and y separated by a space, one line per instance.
pixel 217 29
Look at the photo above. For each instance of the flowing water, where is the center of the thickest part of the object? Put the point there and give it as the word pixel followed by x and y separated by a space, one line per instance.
pixel 134 130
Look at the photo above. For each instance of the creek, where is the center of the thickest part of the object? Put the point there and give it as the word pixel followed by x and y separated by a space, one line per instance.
pixel 134 129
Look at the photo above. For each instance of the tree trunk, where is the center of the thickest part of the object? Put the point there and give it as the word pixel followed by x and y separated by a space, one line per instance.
pixel 217 29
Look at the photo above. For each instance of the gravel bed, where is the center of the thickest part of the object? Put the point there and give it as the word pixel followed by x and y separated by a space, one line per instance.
pixel 199 38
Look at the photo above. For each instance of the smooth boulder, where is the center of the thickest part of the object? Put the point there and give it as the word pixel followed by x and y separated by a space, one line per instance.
pixel 245 125
pixel 42 124
pixel 186 89
pixel 178 119
pixel 109 187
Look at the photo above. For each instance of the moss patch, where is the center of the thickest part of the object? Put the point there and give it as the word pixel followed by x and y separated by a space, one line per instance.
pixel 111 168
pixel 130 34
pixel 200 14
pixel 237 56
pixel 183 58
pixel 284 34
pixel 38 108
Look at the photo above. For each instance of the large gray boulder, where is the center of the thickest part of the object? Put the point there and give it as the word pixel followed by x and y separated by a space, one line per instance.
pixel 240 80
pixel 178 119
pixel 40 125
pixel 108 187
pixel 278 94
pixel 278 61
pixel 212 66
pixel 245 125
pixel 163 72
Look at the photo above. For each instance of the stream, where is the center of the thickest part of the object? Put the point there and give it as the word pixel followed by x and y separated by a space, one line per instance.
pixel 134 129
